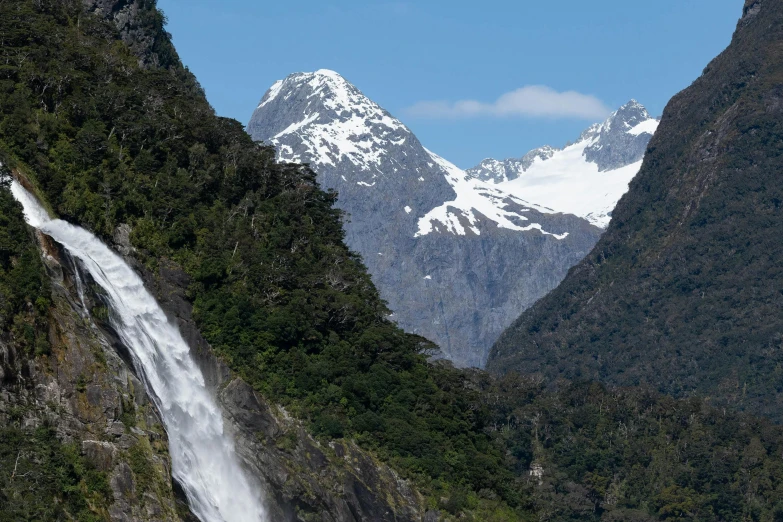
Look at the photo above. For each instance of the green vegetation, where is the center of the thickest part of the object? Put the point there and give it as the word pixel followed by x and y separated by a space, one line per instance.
pixel 632 455
pixel 275 290
pixel 43 479
pixel 293 311
pixel 24 287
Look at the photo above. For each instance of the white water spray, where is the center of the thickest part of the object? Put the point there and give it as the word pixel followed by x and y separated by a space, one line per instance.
pixel 202 455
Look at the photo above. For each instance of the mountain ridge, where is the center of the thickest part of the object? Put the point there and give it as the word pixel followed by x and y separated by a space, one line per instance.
pixel 443 248
pixel 585 177
pixel 321 389
pixel 681 293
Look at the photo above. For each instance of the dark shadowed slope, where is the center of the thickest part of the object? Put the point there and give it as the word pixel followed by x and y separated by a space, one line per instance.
pixel 685 290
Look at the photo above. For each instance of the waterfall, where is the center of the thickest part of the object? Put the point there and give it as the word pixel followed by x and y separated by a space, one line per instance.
pixel 202 454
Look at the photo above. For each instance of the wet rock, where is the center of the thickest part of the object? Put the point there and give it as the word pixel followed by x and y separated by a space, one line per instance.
pixel 242 404
pixel 80 389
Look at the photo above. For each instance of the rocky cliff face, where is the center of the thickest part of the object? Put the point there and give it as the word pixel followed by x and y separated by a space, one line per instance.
pixel 141 28
pixel 91 397
pixel 456 258
pixel 683 291
pixel 622 139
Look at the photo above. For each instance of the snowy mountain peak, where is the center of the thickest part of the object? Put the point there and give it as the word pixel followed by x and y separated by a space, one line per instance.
pixel 622 139
pixel 627 117
pixel 321 118
pixel 625 120
pixel 455 257
pixel 585 178
pixel 615 143
pixel 363 152
pixel 335 92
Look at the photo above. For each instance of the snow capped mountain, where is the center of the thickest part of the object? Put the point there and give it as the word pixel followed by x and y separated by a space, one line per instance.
pixel 456 257
pixel 586 178
pixel 334 123
pixel 330 124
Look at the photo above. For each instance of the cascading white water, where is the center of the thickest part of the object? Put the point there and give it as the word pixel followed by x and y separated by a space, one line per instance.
pixel 202 454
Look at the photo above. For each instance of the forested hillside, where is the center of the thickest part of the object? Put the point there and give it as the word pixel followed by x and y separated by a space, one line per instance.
pixel 683 292
pixel 110 139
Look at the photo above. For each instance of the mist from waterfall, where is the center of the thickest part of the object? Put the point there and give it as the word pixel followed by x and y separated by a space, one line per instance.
pixel 202 453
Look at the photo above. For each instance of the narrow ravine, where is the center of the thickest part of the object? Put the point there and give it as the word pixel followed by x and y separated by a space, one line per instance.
pixel 202 453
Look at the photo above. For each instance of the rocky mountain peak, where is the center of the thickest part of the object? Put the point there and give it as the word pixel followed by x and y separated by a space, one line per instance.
pixel 622 139
pixel 617 142
pixel 327 91
pixel 631 114
pixel 321 118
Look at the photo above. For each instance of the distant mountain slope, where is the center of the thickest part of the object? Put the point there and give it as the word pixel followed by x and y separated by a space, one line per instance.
pixel 684 292
pixel 585 178
pixel 456 258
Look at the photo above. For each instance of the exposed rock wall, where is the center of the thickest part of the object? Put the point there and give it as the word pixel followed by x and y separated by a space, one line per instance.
pixel 92 398
pixel 140 27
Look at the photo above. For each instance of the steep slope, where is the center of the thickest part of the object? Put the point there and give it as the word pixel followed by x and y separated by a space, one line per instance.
pixel 455 257
pixel 585 178
pixel 334 409
pixel 80 437
pixel 683 292
pixel 77 425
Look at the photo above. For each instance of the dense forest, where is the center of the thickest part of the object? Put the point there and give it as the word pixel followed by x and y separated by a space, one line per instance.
pixel 109 137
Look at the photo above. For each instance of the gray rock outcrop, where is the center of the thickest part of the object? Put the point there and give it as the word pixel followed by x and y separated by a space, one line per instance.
pixel 141 29
pixel 615 146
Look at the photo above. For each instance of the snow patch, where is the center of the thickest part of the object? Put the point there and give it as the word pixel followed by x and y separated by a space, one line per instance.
pixel 648 127
pixel 361 133
pixel 272 93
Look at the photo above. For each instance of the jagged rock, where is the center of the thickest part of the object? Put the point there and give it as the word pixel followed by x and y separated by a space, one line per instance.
pixel 615 146
pixel 139 27
pixel 101 454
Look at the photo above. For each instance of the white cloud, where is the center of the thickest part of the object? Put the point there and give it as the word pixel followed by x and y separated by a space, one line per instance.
pixel 530 101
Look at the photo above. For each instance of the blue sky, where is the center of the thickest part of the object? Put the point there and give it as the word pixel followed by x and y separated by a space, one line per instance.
pixel 441 65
